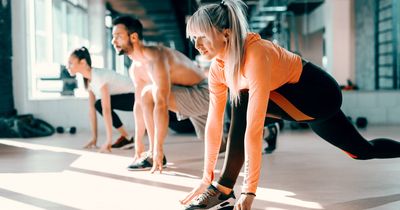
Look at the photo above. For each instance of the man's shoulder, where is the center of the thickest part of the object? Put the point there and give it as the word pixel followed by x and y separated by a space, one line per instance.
pixel 152 52
pixel 160 51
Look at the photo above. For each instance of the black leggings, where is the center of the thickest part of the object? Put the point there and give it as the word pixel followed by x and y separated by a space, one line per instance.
pixel 316 100
pixel 123 102
pixel 228 116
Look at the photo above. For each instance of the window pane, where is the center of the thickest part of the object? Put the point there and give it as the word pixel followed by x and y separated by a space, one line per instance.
pixel 59 31
pixel 41 43
pixel 40 31
pixel 59 27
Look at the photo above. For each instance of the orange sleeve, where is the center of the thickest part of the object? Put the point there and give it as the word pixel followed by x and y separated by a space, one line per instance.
pixel 215 120
pixel 257 71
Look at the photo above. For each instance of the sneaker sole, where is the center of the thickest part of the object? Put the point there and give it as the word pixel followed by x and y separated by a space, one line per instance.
pixel 128 146
pixel 227 208
pixel 142 169
pixel 226 205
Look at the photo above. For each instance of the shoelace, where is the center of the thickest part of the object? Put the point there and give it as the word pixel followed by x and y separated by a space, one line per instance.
pixel 206 196
pixel 147 157
pixel 143 158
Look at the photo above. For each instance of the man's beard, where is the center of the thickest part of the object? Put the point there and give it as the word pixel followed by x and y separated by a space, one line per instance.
pixel 124 51
pixel 121 52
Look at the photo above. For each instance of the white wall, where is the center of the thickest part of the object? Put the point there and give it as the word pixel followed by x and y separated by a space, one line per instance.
pixel 20 55
pixel 310 42
pixel 315 21
pixel 339 34
pixel 336 19
pixel 379 107
pixel 97 33
pixel 60 112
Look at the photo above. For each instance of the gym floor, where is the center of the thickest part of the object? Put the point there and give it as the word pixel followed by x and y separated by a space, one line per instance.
pixel 303 173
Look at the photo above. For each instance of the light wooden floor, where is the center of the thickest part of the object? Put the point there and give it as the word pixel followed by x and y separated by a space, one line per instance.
pixel 305 172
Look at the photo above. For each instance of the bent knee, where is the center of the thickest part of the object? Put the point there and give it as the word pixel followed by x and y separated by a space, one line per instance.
pixel 146 95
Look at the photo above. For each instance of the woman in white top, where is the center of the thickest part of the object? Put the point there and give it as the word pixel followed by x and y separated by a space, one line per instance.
pixel 108 91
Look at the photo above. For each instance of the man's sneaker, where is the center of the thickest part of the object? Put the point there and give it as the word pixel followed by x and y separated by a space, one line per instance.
pixel 123 143
pixel 130 144
pixel 212 198
pixel 224 142
pixel 145 163
pixel 271 138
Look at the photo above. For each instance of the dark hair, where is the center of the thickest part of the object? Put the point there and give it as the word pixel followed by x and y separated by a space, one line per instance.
pixel 132 24
pixel 83 53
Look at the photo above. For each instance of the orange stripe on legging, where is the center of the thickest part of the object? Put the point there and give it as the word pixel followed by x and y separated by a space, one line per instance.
pixel 288 107
pixel 351 155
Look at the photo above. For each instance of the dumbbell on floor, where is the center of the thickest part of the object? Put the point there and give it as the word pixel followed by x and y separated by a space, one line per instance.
pixel 71 130
pixel 361 122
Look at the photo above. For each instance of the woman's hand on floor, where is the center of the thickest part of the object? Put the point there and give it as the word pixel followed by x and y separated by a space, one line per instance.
pixel 194 193
pixel 244 203
pixel 105 148
pixel 91 144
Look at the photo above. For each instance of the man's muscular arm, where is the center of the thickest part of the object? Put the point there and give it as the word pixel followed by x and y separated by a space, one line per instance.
pixel 140 128
pixel 159 72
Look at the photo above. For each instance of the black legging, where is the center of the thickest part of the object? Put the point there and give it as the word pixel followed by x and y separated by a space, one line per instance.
pixel 123 102
pixel 316 95
pixel 228 116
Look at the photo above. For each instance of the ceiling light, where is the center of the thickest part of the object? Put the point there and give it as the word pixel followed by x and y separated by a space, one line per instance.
pixel 264 18
pixel 273 9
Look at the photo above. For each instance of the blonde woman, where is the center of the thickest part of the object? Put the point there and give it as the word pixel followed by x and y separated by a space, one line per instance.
pixel 262 77
pixel 108 91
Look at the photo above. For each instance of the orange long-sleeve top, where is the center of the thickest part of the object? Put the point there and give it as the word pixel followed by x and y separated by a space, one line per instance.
pixel 267 66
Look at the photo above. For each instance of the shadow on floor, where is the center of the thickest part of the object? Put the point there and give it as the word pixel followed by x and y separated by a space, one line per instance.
pixel 365 203
pixel 36 202
pixel 12 160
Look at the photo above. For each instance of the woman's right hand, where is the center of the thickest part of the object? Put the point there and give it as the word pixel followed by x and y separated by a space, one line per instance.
pixel 91 144
pixel 194 193
pixel 105 148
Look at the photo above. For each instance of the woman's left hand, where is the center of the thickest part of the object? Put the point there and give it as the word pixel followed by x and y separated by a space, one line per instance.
pixel 244 203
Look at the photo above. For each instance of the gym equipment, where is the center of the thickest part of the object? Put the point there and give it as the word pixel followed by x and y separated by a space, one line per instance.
pixel 61 130
pixel 361 122
pixel 72 130
pixel 271 138
pixel 8 128
pixel 24 126
pixel 69 83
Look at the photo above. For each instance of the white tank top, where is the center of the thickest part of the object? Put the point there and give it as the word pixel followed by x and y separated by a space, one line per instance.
pixel 117 83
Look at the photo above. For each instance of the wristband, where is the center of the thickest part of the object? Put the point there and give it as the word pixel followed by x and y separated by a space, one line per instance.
pixel 248 193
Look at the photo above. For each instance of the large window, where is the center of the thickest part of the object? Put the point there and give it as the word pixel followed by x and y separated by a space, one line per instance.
pixel 58 27
pixel 41 32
